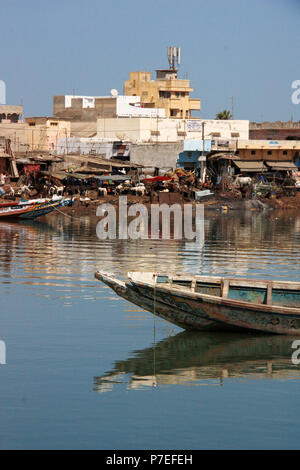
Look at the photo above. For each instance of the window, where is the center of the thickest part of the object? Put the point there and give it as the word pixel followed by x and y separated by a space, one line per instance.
pixel 164 94
pixel 53 123
pixel 173 112
pixel 285 152
pixel 253 152
pixel 269 152
pixel 32 123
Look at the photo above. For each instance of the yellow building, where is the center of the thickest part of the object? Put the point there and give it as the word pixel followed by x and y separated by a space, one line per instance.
pixel 42 133
pixel 268 150
pixel 167 92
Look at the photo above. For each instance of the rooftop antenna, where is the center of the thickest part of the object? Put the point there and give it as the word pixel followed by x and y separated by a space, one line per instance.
pixel 174 57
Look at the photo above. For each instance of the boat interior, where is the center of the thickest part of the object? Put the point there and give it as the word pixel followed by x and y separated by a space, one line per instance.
pixel 268 292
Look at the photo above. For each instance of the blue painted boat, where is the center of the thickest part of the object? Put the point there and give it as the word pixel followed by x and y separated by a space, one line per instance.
pixel 31 209
pixel 213 303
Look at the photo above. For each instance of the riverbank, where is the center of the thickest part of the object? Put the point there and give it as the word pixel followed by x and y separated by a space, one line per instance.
pixel 219 203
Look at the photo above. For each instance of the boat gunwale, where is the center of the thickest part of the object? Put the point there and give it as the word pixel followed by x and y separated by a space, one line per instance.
pixel 235 282
pixel 29 206
pixel 183 291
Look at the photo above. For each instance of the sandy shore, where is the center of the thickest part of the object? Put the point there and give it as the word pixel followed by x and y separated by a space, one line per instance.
pixel 219 203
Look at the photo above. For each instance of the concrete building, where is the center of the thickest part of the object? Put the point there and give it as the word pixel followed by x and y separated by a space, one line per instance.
pixel 161 155
pixel 9 114
pixel 275 130
pixel 217 129
pixel 166 91
pixel 149 155
pixel 193 156
pixel 93 146
pixel 274 155
pixel 43 133
pixel 84 111
pixel 221 133
pixel 138 130
pixel 12 126
pixel 275 150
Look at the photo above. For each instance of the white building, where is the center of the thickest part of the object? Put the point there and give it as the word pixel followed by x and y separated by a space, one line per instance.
pixel 217 129
pixel 139 130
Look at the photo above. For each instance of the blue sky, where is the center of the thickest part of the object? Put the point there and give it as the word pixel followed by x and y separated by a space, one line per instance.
pixel 241 48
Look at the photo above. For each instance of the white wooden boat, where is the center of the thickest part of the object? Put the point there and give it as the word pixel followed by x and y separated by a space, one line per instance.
pixel 213 303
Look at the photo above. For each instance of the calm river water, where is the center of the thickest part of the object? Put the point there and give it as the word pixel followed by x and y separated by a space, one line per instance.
pixel 84 369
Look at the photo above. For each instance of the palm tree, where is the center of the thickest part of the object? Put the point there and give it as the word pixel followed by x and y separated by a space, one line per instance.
pixel 225 114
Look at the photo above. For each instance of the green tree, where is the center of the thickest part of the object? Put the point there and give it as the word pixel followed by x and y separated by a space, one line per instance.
pixel 225 114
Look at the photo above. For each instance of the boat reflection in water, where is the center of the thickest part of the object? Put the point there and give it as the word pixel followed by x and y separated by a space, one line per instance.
pixel 197 358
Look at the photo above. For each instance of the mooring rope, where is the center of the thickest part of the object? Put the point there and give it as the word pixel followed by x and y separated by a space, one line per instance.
pixel 66 215
pixel 154 331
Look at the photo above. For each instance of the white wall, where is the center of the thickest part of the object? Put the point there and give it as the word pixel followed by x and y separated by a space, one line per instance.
pixel 129 106
pixel 87 101
pixel 170 130
pixel 138 130
pixel 228 129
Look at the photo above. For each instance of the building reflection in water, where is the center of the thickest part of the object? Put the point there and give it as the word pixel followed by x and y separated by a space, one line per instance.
pixel 67 249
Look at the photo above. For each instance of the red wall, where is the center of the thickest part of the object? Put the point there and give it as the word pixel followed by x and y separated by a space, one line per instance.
pixel 274 134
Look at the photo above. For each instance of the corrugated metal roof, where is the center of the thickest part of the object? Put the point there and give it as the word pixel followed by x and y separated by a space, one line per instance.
pixel 282 165
pixel 250 166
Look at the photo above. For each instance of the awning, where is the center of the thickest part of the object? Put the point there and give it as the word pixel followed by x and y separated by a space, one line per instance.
pixel 156 179
pixel 282 166
pixel 223 156
pixel 60 175
pixel 113 177
pixel 248 167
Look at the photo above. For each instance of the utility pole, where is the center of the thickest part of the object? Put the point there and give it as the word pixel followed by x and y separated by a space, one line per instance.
pixel 203 164
pixel 232 108
pixel 66 132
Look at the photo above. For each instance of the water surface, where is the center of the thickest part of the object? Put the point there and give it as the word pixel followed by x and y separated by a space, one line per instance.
pixel 87 369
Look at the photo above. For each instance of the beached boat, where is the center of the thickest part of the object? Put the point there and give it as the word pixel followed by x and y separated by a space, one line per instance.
pixel 29 209
pixel 213 303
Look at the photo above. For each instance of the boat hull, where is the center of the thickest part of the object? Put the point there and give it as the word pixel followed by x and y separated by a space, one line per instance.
pixel 230 315
pixel 196 311
pixel 28 210
pixel 186 319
